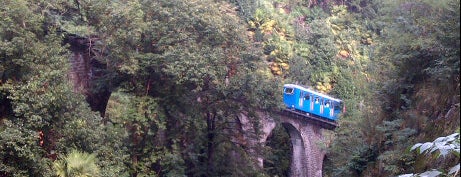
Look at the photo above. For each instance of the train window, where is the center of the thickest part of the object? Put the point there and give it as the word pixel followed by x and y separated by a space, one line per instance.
pixel 289 90
pixel 327 104
pixel 306 97
pixel 337 107
pixel 316 100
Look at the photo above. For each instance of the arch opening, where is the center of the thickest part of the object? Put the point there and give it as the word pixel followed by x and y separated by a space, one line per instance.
pixel 278 152
pixel 285 152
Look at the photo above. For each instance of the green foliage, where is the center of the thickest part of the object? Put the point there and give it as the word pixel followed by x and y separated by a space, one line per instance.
pixel 427 51
pixel 395 137
pixel 184 71
pixel 299 70
pixel 141 121
pixel 31 85
pixel 360 159
pixel 20 151
pixel 78 164
pixel 404 50
pixel 189 57
pixel 246 8
pixel 395 71
pixel 173 164
pixel 41 115
pixel 323 49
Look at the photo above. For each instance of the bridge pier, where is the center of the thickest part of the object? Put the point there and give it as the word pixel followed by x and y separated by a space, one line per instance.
pixel 313 142
pixel 299 156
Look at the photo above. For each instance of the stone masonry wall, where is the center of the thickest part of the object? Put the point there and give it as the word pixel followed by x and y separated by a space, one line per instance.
pixel 86 73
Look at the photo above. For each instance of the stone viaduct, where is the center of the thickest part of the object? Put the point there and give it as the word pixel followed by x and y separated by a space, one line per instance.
pixel 306 136
pixel 305 131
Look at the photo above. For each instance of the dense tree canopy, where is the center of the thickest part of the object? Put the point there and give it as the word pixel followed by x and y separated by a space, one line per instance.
pixel 180 73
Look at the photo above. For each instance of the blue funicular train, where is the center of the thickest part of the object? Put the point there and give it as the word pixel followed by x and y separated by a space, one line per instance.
pixel 311 102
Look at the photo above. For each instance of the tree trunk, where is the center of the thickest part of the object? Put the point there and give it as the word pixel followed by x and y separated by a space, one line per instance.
pixel 210 145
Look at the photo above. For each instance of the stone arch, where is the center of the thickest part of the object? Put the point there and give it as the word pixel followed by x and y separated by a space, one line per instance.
pixel 277 161
pixel 307 158
pixel 298 152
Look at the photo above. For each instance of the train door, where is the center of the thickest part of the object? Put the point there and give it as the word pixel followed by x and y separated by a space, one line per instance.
pixel 301 99
pixel 306 102
pixel 311 102
pixel 332 110
pixel 321 106
pixel 317 105
pixel 327 110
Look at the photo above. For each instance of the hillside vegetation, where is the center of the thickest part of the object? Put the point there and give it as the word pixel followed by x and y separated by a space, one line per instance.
pixel 181 72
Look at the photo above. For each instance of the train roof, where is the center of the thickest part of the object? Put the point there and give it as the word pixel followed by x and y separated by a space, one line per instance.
pixel 309 90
